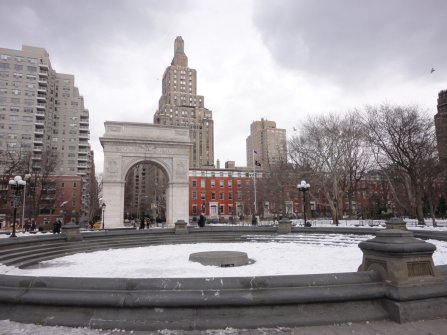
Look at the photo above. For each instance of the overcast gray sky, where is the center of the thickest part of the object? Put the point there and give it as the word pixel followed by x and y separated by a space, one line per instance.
pixel 281 60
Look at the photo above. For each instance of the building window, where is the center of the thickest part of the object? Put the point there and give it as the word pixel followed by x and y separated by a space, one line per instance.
pixel 194 183
pixel 213 195
pixel 222 209
pixel 202 195
pixel 194 209
pixel 202 183
pixel 239 183
pixel 194 195
pixel 221 183
pixel 213 183
pixel 230 195
pixel 221 195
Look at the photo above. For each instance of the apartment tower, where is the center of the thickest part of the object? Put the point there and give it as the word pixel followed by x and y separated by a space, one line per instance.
pixel 179 105
pixel 441 128
pixel 266 145
pixel 42 116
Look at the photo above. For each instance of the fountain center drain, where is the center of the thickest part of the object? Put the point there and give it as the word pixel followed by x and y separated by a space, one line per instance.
pixel 221 258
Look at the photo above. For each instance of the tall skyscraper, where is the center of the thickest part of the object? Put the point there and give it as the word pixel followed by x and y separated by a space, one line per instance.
pixel 441 128
pixel 266 144
pixel 179 105
pixel 42 116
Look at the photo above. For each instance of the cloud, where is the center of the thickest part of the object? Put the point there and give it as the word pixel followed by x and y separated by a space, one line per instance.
pixel 277 60
pixel 353 42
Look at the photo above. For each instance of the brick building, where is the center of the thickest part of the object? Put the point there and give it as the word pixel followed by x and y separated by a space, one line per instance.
pixel 222 193
pixel 61 198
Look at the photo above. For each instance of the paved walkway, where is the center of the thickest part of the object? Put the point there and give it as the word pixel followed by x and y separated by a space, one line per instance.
pixel 429 327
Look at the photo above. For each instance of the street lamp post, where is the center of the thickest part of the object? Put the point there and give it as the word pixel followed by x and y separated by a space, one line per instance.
pixel 27 176
pixel 303 187
pixel 103 206
pixel 17 183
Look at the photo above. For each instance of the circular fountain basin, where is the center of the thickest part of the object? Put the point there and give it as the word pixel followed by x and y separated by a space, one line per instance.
pixel 220 258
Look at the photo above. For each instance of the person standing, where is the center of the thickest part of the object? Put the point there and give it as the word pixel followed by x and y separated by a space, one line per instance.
pixel 201 221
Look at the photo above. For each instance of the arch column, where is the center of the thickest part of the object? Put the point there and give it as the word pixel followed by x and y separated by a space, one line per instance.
pixel 128 143
pixel 113 197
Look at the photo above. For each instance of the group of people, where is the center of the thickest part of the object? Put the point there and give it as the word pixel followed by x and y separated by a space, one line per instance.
pixel 30 227
pixel 144 223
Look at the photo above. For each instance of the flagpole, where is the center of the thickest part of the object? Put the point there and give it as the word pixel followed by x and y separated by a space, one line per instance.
pixel 254 178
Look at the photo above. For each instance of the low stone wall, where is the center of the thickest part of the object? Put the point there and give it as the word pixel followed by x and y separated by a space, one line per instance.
pixel 192 303
pixel 206 303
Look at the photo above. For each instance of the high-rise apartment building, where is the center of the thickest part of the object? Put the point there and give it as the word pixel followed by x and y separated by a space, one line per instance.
pixel 441 128
pixel 42 115
pixel 266 144
pixel 179 105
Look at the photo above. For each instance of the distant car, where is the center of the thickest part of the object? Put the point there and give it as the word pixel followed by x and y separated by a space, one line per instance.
pixel 97 225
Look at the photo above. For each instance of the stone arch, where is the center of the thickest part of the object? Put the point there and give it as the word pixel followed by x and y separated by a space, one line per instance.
pixel 127 143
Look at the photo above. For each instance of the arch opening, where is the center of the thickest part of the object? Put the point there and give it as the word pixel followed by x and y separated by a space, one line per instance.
pixel 146 183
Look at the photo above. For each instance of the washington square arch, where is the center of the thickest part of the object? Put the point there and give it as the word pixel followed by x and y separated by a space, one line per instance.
pixel 126 144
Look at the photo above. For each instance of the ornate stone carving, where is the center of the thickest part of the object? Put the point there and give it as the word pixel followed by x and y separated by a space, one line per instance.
pixel 115 129
pixel 112 166
pixel 181 168
pixel 142 148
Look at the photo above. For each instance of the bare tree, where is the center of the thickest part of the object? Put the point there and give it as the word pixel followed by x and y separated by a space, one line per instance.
pixel 331 153
pixel 41 188
pixel 320 149
pixel 402 139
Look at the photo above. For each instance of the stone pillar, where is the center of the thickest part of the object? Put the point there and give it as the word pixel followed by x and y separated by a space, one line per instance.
pixel 71 232
pixel 396 223
pixel 181 227
pixel 113 197
pixel 177 202
pixel 284 226
pixel 397 256
pixel 414 288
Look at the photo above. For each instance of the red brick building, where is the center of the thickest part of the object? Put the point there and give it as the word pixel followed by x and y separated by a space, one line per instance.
pixel 61 197
pixel 222 194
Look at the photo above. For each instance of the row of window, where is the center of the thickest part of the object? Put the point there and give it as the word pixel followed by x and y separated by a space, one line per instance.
pixel 4 83
pixel 18 75
pixel 14 136
pixel 16 127
pixel 213 195
pixel 19 58
pixel 15 109
pixel 25 118
pixel 224 174
pixel 18 67
pixel 221 209
pixel 213 183
pixel 28 102
pixel 17 92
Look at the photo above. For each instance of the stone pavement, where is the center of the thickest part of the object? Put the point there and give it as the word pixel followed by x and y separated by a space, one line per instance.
pixel 428 327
